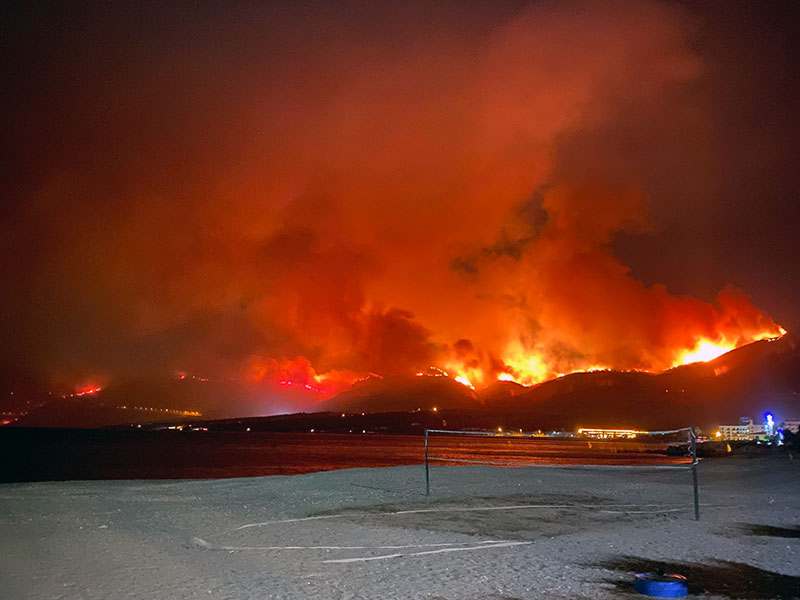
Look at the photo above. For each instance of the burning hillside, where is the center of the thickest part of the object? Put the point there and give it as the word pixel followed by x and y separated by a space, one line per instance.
pixel 752 379
pixel 338 195
pixel 529 360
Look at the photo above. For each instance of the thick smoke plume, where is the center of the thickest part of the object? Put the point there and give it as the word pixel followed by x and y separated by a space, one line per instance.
pixel 303 196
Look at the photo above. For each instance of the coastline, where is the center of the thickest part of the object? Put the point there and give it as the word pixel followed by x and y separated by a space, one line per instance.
pixel 371 533
pixel 64 455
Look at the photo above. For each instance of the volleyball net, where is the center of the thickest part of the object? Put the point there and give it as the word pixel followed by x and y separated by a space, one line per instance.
pixel 588 449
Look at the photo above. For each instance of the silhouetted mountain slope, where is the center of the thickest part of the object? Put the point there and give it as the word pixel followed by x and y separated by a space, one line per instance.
pixel 500 390
pixel 403 393
pixel 760 377
pixel 128 403
pixel 763 376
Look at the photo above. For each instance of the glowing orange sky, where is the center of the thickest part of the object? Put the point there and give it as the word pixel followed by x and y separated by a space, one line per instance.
pixel 311 196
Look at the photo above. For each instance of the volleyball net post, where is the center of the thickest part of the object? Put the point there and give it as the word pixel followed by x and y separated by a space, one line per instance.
pixel 427 467
pixel 691 453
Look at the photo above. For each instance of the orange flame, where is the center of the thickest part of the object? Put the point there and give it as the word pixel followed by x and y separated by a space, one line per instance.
pixel 87 390
pixel 705 350
pixel 530 367
pixel 520 365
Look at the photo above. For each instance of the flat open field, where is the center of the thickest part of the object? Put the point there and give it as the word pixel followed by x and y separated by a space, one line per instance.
pixel 372 533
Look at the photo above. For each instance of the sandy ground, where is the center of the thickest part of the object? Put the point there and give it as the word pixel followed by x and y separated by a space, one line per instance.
pixel 372 533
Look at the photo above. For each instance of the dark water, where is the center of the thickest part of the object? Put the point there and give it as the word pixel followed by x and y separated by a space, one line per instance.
pixel 57 455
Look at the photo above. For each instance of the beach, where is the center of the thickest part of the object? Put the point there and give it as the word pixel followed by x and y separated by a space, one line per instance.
pixel 368 533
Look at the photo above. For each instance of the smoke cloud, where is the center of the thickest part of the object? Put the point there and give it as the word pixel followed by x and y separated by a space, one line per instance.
pixel 306 195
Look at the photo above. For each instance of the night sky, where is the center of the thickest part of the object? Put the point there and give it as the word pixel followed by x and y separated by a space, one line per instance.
pixel 312 192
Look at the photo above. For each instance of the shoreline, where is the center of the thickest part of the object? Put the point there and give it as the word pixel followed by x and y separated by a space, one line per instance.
pixel 107 454
pixel 371 533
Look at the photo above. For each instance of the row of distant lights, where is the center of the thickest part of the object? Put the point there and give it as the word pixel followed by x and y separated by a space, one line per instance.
pixel 629 433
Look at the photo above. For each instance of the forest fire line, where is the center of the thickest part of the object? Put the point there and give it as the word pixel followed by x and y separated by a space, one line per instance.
pixel 521 368
pixel 526 368
pixel 531 369
pixel 706 350
pixel 85 390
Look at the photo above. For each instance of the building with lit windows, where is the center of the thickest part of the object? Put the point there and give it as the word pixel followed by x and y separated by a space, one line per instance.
pixel 609 433
pixel 745 429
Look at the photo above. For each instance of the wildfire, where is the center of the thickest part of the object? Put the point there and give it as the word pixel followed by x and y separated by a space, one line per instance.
pixel 298 374
pixel 531 366
pixel 306 386
pixel 464 381
pixel 87 391
pixel 525 366
pixel 433 372
pixel 460 377
pixel 367 377
pixel 703 352
pixel 532 370
pixel 706 350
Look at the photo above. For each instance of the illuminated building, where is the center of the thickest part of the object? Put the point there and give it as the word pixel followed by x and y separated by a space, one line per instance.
pixel 792 425
pixel 746 429
pixel 609 433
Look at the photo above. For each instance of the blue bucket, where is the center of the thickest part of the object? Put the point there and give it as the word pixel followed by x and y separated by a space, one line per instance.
pixel 670 585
